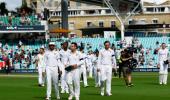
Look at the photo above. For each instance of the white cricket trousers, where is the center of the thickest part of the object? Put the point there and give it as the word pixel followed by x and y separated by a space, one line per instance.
pixel 64 85
pixel 106 75
pixel 163 73
pixel 96 76
pixel 73 78
pixel 84 72
pixel 52 77
pixel 90 70
pixel 41 78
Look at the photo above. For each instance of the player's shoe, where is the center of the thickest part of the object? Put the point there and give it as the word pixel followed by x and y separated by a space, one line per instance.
pixel 77 98
pixel 102 92
pixel 47 98
pixel 130 85
pixel 97 85
pixel 109 94
pixel 58 98
pixel 86 86
pixel 67 91
pixel 70 97
pixel 62 91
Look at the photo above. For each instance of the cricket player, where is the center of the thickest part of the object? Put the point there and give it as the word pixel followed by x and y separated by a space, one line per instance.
pixel 73 76
pixel 41 67
pixel 96 73
pixel 89 64
pixel 53 67
pixel 163 64
pixel 64 52
pixel 83 67
pixel 106 61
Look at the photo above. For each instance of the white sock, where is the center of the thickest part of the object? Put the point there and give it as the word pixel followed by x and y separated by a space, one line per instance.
pixel 160 78
pixel 102 86
pixel 165 77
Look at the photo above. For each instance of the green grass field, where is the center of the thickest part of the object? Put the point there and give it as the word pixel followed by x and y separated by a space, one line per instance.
pixel 24 87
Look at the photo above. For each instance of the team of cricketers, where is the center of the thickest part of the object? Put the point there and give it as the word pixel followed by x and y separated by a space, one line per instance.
pixel 51 64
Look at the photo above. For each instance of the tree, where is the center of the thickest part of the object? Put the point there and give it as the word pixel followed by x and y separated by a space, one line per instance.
pixel 3 9
pixel 24 3
pixel 24 8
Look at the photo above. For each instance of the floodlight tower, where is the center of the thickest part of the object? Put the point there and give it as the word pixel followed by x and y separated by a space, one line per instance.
pixel 64 11
pixel 123 19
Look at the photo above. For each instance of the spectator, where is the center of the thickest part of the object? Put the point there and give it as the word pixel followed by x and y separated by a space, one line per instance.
pixel 141 58
pixel 0 44
pixel 7 63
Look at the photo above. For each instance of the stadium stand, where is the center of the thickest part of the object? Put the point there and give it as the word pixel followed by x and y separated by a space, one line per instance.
pixel 27 20
pixel 146 46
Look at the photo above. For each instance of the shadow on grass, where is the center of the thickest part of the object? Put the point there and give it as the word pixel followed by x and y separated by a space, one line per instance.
pixel 149 83
pixel 118 85
pixel 53 98
pixel 39 98
pixel 93 94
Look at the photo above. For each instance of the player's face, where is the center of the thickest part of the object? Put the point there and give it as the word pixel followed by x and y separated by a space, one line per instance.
pixel 52 47
pixel 163 46
pixel 97 54
pixel 107 45
pixel 73 47
pixel 41 51
pixel 65 45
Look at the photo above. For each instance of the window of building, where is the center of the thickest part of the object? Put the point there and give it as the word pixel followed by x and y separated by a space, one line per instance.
pixel 101 24
pixel 71 26
pixel 113 23
pixel 130 22
pixel 89 24
pixel 90 12
pixel 150 9
pixel 108 11
pixel 155 21
pixel 161 9
pixel 68 3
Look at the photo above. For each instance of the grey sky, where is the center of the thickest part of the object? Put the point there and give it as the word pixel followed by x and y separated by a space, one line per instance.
pixel 12 4
pixel 155 1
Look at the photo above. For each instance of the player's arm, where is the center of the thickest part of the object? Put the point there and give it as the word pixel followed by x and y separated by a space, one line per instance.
pixel 125 59
pixel 168 58
pixel 114 60
pixel 81 61
pixel 99 61
pixel 158 65
pixel 36 61
pixel 86 61
pixel 45 59
pixel 60 65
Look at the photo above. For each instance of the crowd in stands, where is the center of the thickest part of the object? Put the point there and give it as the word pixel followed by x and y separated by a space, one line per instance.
pixel 21 54
pixel 22 19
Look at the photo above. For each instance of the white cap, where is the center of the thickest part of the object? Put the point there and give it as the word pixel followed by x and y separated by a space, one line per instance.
pixel 52 43
pixel 42 47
